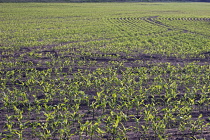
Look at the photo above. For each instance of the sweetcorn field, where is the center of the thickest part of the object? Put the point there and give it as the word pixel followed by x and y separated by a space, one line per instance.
pixel 105 71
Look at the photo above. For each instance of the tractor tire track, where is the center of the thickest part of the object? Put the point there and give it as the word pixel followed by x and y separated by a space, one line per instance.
pixel 155 20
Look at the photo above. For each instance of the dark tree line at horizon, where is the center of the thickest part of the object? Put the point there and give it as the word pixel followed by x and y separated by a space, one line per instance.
pixel 15 1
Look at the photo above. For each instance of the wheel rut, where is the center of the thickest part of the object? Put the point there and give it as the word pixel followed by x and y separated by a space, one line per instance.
pixel 134 24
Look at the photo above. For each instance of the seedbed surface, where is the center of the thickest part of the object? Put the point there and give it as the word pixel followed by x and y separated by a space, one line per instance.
pixel 105 71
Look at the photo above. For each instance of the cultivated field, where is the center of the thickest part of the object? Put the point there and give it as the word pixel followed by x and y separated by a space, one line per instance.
pixel 105 71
